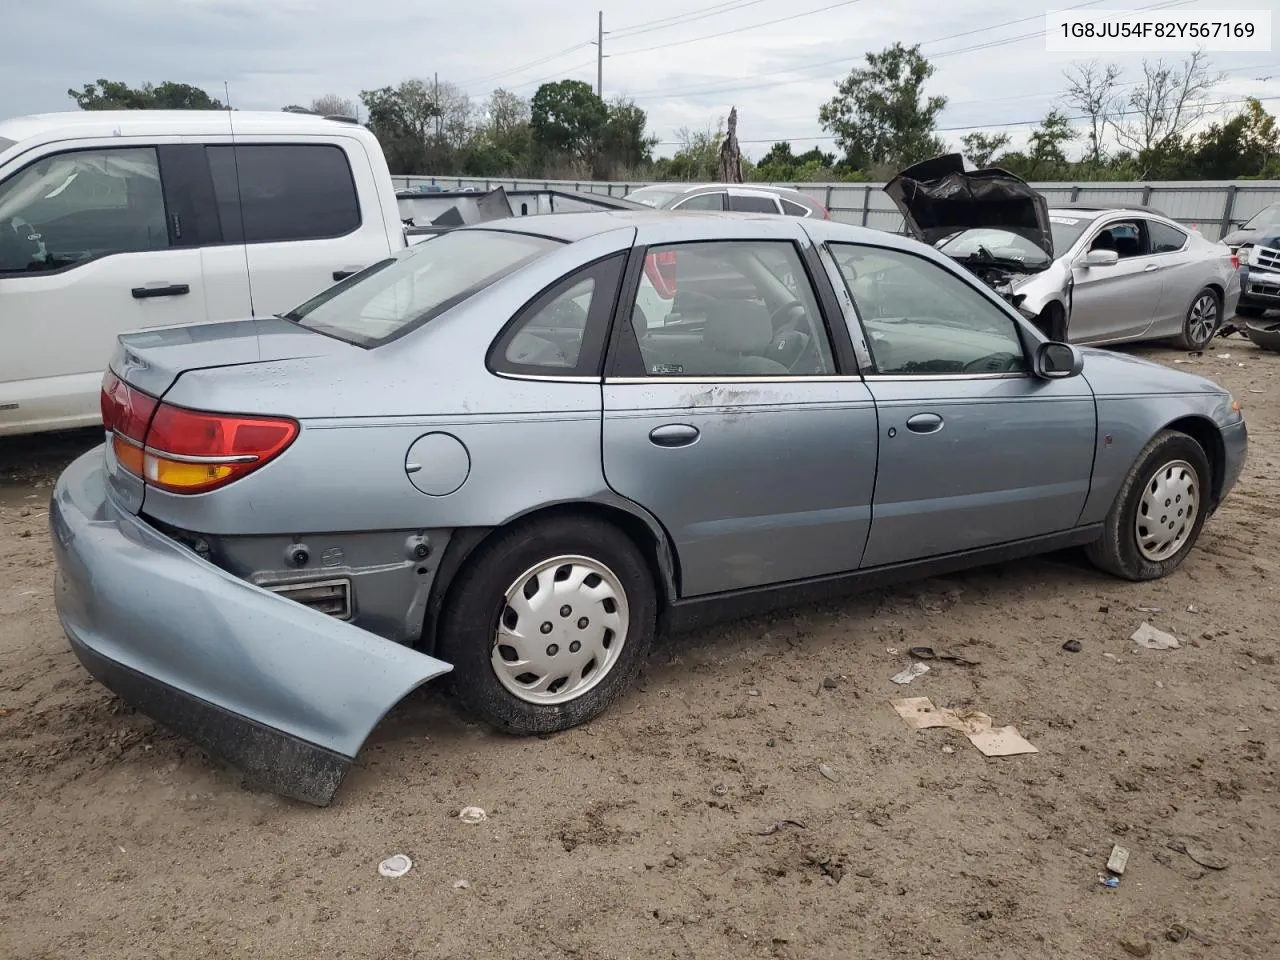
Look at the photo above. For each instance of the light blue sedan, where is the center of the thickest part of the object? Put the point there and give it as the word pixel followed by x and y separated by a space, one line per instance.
pixel 514 453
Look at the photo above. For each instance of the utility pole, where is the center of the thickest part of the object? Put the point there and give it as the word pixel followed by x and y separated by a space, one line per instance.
pixel 435 101
pixel 600 55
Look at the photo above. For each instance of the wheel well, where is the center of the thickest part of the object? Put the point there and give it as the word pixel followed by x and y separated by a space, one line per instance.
pixel 1205 433
pixel 462 548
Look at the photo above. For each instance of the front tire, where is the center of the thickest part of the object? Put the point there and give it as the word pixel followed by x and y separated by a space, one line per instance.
pixel 548 624
pixel 1203 318
pixel 1158 514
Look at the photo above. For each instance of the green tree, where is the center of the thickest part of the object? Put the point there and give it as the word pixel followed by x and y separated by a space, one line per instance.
pixel 1245 145
pixel 115 95
pixel 880 115
pixel 780 165
pixel 567 118
pixel 626 145
pixel 981 147
pixel 1045 146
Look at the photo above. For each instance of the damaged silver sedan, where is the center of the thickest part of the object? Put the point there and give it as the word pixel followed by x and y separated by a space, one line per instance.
pixel 510 455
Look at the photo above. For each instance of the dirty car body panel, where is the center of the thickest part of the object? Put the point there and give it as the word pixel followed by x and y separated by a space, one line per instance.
pixel 749 401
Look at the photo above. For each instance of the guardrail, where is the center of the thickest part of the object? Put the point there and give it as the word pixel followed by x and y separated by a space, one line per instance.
pixel 1213 207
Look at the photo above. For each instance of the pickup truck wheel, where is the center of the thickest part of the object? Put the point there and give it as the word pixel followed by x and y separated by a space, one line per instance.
pixel 1202 320
pixel 1158 513
pixel 549 624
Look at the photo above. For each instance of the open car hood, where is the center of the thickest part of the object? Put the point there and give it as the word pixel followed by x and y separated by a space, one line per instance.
pixel 938 197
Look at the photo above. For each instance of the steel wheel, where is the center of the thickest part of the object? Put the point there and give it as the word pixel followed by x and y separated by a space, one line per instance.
pixel 562 628
pixel 1202 319
pixel 1167 511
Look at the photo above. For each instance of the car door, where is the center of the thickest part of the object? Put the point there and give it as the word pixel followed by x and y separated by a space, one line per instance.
pixel 761 471
pixel 93 242
pixel 1120 301
pixel 1185 272
pixel 974 450
pixel 300 214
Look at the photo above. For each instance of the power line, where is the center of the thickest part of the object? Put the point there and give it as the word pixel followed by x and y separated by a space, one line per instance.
pixel 708 89
pixel 525 66
pixel 680 19
pixel 743 29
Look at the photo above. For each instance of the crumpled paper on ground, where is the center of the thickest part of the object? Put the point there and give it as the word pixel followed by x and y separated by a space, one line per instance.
pixel 919 713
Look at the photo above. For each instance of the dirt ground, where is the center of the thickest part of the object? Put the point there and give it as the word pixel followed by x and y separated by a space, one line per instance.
pixel 647 832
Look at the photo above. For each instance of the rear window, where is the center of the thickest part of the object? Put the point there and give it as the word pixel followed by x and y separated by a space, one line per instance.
pixel 291 191
pixel 395 296
pixel 751 204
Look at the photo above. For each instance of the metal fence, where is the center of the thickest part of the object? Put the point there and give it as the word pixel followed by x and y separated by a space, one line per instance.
pixel 1214 207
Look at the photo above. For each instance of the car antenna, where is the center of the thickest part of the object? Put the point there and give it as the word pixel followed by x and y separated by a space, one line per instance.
pixel 235 163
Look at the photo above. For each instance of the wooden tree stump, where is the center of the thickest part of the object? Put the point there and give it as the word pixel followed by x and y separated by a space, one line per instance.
pixel 731 153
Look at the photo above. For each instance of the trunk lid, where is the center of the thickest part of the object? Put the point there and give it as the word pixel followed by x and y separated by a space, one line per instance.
pixel 938 198
pixel 152 360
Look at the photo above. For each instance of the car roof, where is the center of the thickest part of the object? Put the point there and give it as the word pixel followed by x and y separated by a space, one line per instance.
pixel 1098 211
pixel 83 124
pixel 571 227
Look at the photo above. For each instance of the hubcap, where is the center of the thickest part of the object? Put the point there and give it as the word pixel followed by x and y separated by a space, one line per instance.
pixel 1203 318
pixel 561 630
pixel 1167 511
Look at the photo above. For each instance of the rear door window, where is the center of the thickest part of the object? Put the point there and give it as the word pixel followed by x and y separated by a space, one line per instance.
pixel 750 204
pixel 290 192
pixel 1164 238
pixel 702 201
pixel 793 208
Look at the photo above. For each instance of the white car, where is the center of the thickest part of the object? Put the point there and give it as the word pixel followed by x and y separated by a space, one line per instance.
pixel 115 221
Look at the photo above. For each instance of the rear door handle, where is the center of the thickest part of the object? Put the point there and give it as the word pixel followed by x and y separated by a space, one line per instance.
pixel 166 290
pixel 924 423
pixel 673 435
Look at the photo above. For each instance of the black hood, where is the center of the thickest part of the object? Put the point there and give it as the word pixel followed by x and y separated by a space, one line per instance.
pixel 938 197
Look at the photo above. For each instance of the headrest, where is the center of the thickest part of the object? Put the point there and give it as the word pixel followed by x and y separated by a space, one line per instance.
pixel 739 326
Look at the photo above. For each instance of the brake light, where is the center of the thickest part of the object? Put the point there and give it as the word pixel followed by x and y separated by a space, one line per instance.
pixel 1235 262
pixel 187 451
pixel 126 414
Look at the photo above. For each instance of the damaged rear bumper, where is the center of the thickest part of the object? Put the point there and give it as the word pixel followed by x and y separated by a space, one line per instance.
pixel 286 694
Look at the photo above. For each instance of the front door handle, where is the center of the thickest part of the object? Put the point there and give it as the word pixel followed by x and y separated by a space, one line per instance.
pixel 167 290
pixel 924 423
pixel 673 435
pixel 343 274
pixel 1150 267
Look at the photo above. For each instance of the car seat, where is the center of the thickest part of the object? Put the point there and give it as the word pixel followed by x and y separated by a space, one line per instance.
pixel 738 334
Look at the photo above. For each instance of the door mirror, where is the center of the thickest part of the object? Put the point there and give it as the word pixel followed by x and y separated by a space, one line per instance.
pixel 1055 361
pixel 1101 258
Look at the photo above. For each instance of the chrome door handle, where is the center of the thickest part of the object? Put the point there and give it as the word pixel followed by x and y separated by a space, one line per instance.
pixel 673 435
pixel 924 423
pixel 1150 266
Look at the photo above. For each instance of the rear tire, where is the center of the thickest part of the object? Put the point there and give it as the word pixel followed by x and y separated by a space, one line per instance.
pixel 1148 533
pixel 1202 321
pixel 548 624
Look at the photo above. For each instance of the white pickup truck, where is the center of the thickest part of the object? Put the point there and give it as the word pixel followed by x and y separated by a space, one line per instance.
pixel 113 221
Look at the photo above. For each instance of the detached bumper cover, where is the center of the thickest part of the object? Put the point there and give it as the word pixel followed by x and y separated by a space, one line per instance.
pixel 1235 443
pixel 286 694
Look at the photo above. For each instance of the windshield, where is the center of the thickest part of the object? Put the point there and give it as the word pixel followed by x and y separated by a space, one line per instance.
pixel 394 296
pixel 1000 244
pixel 1066 231
pixel 655 196
pixel 1265 217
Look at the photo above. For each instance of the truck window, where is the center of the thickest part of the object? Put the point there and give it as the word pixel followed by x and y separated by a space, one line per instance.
pixel 291 192
pixel 70 208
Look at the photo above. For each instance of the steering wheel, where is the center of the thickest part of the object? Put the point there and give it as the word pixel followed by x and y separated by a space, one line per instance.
pixel 1003 362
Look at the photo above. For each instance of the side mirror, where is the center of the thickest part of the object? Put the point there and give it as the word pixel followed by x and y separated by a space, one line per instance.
pixel 1056 361
pixel 1101 258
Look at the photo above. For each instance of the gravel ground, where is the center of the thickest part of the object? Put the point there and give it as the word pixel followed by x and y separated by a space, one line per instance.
pixel 648 833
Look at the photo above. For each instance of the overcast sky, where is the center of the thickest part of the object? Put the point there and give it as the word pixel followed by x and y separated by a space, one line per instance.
pixel 276 52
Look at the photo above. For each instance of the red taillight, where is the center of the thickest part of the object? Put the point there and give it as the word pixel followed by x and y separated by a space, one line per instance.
pixel 187 451
pixel 1235 262
pixel 660 269
pixel 192 452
